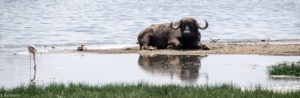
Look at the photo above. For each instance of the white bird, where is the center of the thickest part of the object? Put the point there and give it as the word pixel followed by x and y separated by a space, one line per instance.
pixel 213 40
pixel 262 37
pixel 32 51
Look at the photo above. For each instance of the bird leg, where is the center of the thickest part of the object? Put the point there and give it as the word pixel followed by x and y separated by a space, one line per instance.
pixel 34 75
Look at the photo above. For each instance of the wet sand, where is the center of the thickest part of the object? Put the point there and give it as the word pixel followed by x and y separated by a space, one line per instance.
pixel 286 49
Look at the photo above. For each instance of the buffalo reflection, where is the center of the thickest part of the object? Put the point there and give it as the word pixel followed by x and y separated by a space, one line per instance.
pixel 185 66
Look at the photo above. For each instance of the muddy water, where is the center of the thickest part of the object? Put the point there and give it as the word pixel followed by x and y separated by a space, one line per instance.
pixel 242 70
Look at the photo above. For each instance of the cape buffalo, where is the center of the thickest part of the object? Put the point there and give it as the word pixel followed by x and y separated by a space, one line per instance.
pixel 182 34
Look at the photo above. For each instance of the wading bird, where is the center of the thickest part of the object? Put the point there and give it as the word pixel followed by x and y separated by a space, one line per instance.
pixel 32 51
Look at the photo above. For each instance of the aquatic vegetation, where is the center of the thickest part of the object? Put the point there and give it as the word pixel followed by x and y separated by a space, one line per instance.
pixel 292 69
pixel 139 90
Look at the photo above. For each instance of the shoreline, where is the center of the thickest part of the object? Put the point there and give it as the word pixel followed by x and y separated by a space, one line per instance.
pixel 262 48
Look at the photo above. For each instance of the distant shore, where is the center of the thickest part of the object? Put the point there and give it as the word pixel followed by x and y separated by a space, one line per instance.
pixel 261 48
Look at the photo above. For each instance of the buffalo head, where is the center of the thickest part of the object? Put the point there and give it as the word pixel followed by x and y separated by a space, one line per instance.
pixel 188 26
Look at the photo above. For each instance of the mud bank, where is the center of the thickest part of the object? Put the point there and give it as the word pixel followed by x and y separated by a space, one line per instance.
pixel 217 48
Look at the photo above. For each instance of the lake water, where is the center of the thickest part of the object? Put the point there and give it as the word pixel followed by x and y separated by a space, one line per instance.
pixel 73 22
pixel 241 70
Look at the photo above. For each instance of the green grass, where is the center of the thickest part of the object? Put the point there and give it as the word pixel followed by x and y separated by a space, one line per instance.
pixel 291 69
pixel 140 90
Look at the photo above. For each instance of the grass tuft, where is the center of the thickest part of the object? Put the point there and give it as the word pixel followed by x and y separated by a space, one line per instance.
pixel 291 69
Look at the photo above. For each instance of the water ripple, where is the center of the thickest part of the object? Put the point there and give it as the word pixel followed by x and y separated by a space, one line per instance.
pixel 119 21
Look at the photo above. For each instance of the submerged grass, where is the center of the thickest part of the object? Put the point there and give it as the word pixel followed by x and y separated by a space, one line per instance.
pixel 291 69
pixel 139 90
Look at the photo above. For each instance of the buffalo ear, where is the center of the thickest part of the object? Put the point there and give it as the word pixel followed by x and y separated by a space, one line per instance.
pixel 174 27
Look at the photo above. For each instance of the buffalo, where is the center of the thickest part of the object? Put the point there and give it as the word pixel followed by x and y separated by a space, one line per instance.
pixel 182 34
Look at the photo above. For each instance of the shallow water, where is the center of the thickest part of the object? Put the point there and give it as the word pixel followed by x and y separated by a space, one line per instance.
pixel 241 70
pixel 102 24
pixel 73 22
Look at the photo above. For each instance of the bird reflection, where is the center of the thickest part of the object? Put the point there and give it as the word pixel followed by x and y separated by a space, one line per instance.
pixel 186 67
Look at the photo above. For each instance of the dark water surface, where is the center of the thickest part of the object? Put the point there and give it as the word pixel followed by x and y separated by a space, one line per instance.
pixel 242 70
